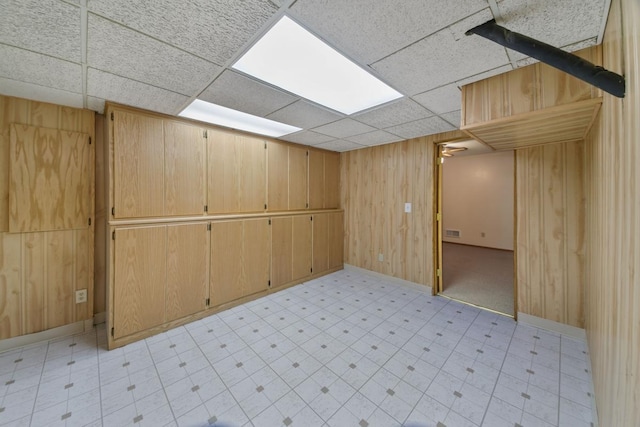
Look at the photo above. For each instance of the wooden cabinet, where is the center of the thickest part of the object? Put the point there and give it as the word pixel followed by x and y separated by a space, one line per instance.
pixel 138 165
pixel 290 249
pixel 287 177
pixel 139 277
pixel 239 259
pixel 237 173
pixel 184 169
pixel 324 178
pixel 327 241
pixel 187 269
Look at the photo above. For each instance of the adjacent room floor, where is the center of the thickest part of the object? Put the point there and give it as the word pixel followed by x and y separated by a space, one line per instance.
pixel 477 275
pixel 348 349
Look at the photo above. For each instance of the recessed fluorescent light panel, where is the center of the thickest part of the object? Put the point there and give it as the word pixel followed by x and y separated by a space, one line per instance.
pixel 290 57
pixel 223 116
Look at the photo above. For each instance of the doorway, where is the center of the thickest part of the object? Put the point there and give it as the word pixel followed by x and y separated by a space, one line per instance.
pixel 476 226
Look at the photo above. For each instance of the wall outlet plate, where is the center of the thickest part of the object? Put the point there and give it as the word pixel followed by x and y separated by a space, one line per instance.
pixel 380 257
pixel 81 296
pixel 407 207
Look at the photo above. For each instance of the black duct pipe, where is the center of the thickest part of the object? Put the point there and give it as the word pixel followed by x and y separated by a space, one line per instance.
pixel 565 61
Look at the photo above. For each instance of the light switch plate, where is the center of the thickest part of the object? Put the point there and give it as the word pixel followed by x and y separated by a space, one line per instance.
pixel 407 207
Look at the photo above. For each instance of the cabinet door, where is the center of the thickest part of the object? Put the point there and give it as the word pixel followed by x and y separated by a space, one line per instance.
pixel 278 176
pixel 316 179
pixel 184 169
pixel 187 269
pixel 256 255
pixel 336 239
pixel 331 180
pixel 226 262
pixel 320 238
pixel 281 250
pixel 139 279
pixel 297 178
pixel 301 247
pixel 138 169
pixel 237 173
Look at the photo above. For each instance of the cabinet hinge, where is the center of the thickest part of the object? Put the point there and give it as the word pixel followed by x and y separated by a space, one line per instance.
pixel 269 222
pixel 112 116
pixel 89 221
pixel 307 153
pixel 438 217
pixel 265 206
pixel 265 145
pixel 113 211
pixel 269 283
pixel 113 235
pixel 307 205
pixel 206 208
pixel 312 269
pixel 111 331
pixel 207 302
pixel 89 140
pixel 438 273
pixel 209 227
pixel 311 218
pixel 205 134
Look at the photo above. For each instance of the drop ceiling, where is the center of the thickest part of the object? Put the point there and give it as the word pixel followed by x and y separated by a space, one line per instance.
pixel 162 55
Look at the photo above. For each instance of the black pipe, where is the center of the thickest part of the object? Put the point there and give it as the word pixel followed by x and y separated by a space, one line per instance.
pixel 558 58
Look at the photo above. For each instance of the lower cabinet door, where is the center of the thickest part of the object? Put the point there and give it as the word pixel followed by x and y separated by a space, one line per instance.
pixel 226 262
pixel 256 255
pixel 139 279
pixel 187 269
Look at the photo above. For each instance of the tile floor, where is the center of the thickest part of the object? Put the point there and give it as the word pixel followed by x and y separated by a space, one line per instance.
pixel 348 349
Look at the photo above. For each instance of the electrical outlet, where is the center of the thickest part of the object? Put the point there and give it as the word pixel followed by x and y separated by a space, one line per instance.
pixel 81 296
pixel 407 207
pixel 380 257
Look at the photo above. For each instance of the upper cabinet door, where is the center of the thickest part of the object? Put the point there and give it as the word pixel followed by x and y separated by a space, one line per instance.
pixel 184 169
pixel 316 179
pixel 138 157
pixel 331 180
pixel 237 173
pixel 278 176
pixel 49 185
pixel 297 178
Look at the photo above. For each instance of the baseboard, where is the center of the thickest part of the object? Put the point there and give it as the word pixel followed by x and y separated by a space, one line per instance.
pixel 49 334
pixel 552 326
pixel 417 286
pixel 99 318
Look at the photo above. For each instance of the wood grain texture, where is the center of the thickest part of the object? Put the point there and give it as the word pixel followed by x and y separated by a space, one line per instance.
pixel 316 179
pixel 301 247
pixel 138 170
pixel 281 251
pixel 101 215
pixel 331 180
pixel 236 173
pixel 612 287
pixel 335 244
pixel 40 270
pixel 320 238
pixel 277 176
pixel 49 183
pixel 140 275
pixel 256 255
pixel 550 231
pixel 375 183
pixel 184 169
pixel 226 262
pixel 187 269
pixel 298 177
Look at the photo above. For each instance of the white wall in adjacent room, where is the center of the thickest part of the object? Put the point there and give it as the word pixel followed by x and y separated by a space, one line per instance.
pixel 477 199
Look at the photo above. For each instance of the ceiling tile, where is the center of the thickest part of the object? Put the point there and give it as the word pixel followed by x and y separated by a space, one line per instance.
pixel 395 113
pixel 558 23
pixel 438 60
pixel 305 115
pixel 45 26
pixel 421 128
pixel 344 128
pixel 307 137
pixel 440 100
pixel 130 92
pixel 121 51
pixel 95 104
pixel 368 30
pixel 29 67
pixel 212 29
pixel 234 90
pixel 340 145
pixel 39 93
pixel 453 117
pixel 374 138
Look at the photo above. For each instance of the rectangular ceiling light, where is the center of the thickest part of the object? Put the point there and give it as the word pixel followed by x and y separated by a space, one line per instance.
pixel 223 116
pixel 290 57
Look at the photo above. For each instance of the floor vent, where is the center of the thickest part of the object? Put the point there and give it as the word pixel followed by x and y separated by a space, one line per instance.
pixel 451 233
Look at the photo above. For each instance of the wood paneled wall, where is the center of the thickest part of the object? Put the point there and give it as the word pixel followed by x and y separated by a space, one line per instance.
pixel 375 183
pixel 612 287
pixel 550 231
pixel 40 271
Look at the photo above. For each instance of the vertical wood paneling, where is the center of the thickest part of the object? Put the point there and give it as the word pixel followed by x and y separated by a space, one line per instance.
pixel 331 180
pixel 277 176
pixel 550 231
pixel 335 239
pixel 101 213
pixel 301 247
pixel 320 237
pixel 316 179
pixel 33 282
pixel 226 262
pixel 59 280
pixel 256 255
pixel 10 285
pixel 612 288
pixel 187 269
pixel 298 177
pixel 184 169
pixel 84 279
pixel 281 250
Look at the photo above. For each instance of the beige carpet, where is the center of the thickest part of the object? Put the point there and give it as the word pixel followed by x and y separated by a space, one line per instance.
pixel 478 275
